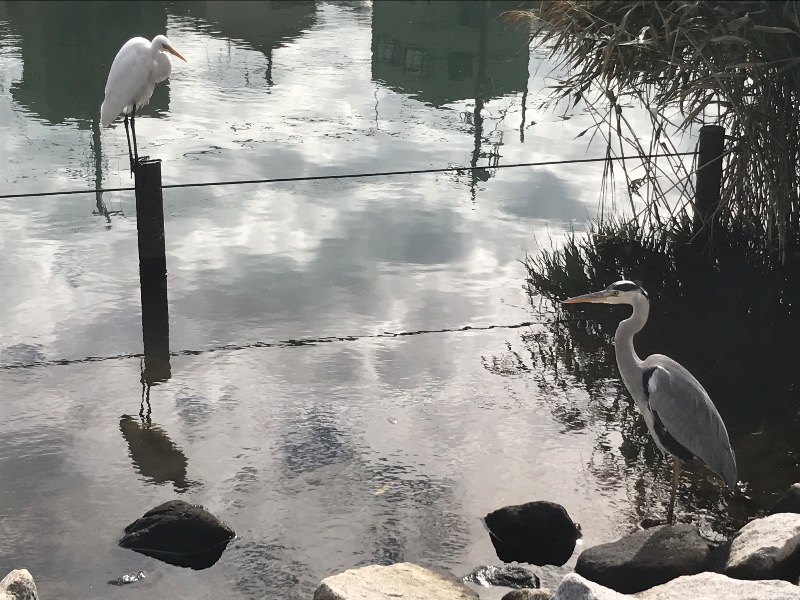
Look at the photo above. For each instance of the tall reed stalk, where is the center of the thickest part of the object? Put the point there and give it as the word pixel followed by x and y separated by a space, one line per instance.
pixel 735 64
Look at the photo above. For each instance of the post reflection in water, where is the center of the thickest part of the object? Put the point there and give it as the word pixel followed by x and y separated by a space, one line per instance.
pixel 155 330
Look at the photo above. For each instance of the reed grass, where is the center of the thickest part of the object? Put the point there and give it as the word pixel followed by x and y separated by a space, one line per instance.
pixel 729 63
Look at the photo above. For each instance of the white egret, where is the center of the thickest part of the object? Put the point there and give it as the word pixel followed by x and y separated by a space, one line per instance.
pixel 679 414
pixel 137 68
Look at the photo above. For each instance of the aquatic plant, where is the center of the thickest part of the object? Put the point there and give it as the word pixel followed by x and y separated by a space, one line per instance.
pixel 733 64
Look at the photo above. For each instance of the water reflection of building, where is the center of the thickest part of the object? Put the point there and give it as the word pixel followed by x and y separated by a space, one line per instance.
pixel 67 49
pixel 262 25
pixel 442 52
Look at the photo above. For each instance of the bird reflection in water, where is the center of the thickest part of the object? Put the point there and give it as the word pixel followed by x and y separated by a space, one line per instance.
pixel 154 455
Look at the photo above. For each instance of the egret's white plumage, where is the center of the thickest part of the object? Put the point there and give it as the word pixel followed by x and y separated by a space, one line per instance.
pixel 137 68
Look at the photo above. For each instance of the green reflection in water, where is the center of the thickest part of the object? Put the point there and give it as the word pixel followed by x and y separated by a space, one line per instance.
pixel 67 50
pixel 442 52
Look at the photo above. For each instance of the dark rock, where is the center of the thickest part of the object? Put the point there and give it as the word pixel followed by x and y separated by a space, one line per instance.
pixel 719 556
pixel 789 502
pixel 179 533
pixel 646 558
pixel 540 594
pixel 649 522
pixel 540 533
pixel 513 577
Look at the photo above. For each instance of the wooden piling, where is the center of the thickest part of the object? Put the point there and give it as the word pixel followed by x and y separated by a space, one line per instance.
pixel 709 177
pixel 150 219
pixel 152 270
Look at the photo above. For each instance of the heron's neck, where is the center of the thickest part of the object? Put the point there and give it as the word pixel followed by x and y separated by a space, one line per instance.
pixel 627 359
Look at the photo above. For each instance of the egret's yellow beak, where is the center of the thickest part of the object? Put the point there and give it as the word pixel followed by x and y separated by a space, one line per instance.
pixel 172 50
pixel 593 297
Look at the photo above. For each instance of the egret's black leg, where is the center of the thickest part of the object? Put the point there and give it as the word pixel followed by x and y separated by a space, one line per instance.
pixel 133 129
pixel 128 135
pixel 676 475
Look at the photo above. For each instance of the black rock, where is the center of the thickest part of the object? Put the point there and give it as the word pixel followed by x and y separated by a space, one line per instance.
pixel 179 533
pixel 513 577
pixel 649 522
pixel 647 558
pixel 539 533
pixel 789 502
pixel 539 594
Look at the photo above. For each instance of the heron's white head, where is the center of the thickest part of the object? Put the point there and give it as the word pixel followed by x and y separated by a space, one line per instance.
pixel 161 43
pixel 619 292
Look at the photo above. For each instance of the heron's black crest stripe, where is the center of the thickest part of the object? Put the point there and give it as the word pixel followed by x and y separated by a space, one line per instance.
pixel 628 286
pixel 625 286
pixel 670 444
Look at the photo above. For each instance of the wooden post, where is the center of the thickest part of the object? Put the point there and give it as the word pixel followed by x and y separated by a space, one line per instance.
pixel 709 176
pixel 152 270
pixel 150 219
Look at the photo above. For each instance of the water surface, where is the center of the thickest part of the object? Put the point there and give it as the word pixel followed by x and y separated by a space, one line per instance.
pixel 292 412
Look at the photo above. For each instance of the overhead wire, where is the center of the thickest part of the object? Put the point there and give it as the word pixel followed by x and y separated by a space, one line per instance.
pixel 312 341
pixel 456 169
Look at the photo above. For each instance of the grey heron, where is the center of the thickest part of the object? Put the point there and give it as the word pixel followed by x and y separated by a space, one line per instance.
pixel 680 416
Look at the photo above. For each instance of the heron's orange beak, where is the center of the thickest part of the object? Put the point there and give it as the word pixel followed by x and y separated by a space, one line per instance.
pixel 172 50
pixel 593 297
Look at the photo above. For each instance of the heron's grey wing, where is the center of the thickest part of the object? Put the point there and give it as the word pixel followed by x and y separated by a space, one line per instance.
pixel 681 404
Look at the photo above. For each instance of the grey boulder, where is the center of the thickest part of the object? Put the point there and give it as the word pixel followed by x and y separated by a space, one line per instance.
pixel 575 587
pixel 401 581
pixel 646 558
pixel 18 585
pixel 702 586
pixel 713 586
pixel 766 548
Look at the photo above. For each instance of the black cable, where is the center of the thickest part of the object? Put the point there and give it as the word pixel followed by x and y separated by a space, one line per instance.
pixel 347 176
pixel 279 344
